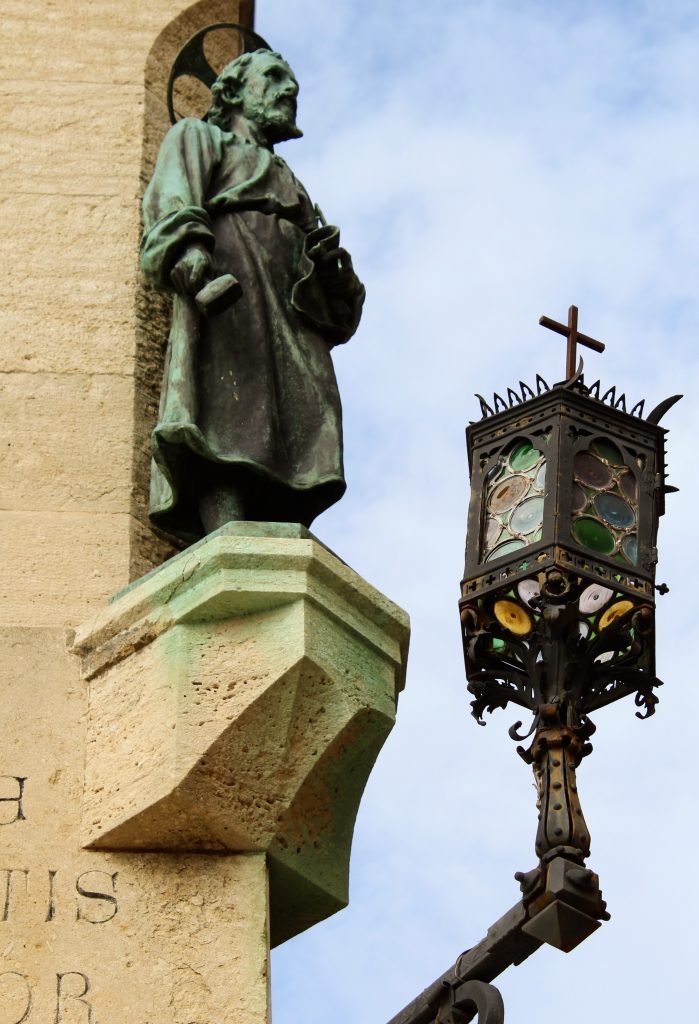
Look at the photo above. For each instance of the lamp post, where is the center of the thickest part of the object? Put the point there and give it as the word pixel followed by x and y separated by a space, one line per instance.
pixel 557 614
pixel 558 595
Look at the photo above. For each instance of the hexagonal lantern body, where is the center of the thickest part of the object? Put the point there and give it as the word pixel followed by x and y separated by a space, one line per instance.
pixel 564 480
pixel 566 493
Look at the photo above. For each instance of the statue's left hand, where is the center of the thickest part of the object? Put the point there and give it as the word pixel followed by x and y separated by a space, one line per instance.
pixel 333 263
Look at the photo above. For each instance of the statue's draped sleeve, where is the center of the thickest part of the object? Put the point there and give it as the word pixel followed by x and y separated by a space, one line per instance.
pixel 336 317
pixel 174 212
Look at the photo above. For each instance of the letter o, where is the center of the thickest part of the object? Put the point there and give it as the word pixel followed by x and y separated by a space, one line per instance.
pixel 16 997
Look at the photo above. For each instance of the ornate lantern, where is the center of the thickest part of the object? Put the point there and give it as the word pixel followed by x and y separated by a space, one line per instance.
pixel 558 595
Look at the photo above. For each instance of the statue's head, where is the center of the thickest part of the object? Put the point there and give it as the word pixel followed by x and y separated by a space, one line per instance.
pixel 259 88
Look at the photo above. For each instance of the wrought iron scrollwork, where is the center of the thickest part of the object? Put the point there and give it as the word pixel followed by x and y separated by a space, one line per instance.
pixel 551 650
pixel 474 998
pixel 543 644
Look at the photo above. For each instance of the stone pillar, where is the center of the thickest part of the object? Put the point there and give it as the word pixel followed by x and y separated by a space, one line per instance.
pixel 97 927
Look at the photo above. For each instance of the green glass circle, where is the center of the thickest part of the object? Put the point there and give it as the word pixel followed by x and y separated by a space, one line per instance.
pixel 505 549
pixel 528 516
pixel 540 479
pixel 614 511
pixel 608 451
pixel 593 535
pixel 524 457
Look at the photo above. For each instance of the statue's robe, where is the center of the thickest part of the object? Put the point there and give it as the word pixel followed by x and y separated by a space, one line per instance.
pixel 252 387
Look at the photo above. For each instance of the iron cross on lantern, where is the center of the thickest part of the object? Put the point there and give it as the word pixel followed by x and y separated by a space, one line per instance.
pixel 574 337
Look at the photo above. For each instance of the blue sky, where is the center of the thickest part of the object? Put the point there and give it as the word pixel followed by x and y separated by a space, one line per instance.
pixel 487 163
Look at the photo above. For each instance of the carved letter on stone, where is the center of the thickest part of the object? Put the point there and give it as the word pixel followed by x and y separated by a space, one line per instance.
pixel 97 915
pixel 7 903
pixel 17 800
pixel 16 998
pixel 66 1010
pixel 51 910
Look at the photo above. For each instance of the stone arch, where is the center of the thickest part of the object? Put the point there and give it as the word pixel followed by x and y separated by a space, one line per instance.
pixel 149 547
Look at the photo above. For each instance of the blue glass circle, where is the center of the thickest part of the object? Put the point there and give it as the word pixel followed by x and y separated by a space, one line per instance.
pixel 614 511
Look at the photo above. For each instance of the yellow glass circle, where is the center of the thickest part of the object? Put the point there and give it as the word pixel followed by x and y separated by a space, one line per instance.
pixel 513 617
pixel 614 612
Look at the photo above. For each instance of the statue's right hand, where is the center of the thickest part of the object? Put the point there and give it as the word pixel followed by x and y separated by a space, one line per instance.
pixel 191 270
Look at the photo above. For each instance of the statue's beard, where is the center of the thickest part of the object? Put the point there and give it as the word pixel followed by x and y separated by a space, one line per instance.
pixel 278 122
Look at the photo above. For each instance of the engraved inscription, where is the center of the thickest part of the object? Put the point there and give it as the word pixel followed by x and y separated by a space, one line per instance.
pixel 16 997
pixel 99 914
pixel 13 784
pixel 71 991
pixel 92 897
pixel 71 1005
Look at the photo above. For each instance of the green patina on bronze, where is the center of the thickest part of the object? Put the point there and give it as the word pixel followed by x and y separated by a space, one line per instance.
pixel 250 419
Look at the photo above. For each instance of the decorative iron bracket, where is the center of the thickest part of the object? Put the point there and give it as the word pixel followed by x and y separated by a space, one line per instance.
pixel 561 905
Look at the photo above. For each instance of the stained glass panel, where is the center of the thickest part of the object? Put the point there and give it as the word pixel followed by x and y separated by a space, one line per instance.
pixel 514 501
pixel 604 502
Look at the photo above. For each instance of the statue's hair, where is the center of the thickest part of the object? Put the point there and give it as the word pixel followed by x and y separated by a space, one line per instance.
pixel 231 81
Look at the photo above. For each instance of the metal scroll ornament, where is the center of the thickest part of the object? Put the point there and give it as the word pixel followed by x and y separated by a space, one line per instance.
pixel 554 638
pixel 474 998
pixel 561 648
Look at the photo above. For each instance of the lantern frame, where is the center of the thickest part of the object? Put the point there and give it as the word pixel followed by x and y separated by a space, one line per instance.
pixel 562 423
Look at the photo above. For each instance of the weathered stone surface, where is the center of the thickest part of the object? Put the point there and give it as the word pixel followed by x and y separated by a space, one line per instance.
pixel 82 104
pixel 136 938
pixel 78 466
pixel 59 568
pixel 238 699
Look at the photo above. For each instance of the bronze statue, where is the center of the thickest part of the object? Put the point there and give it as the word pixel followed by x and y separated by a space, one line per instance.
pixel 250 417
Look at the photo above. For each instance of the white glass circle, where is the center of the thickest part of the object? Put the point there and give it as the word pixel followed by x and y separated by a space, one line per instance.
pixel 594 597
pixel 528 590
